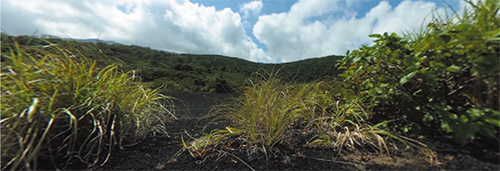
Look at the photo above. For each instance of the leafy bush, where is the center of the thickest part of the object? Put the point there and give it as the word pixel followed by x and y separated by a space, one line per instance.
pixel 444 78
pixel 59 106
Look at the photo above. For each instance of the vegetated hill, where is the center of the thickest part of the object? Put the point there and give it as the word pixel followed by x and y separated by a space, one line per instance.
pixel 95 41
pixel 185 72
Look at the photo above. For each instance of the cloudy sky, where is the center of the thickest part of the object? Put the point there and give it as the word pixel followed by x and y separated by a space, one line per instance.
pixel 263 31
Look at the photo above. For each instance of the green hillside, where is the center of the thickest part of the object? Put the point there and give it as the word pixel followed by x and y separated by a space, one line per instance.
pixel 185 72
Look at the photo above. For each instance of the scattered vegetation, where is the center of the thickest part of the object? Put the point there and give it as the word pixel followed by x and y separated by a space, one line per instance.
pixel 443 80
pixel 273 113
pixel 261 117
pixel 59 107
pixel 185 72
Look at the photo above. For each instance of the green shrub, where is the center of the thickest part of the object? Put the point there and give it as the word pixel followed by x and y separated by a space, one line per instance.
pixel 445 78
pixel 58 105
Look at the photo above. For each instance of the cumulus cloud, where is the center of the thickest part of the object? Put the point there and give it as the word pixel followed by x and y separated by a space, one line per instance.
pixel 175 25
pixel 407 16
pixel 290 36
pixel 251 8
pixel 310 28
pixel 298 34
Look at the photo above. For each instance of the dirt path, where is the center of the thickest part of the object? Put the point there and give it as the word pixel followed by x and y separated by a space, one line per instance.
pixel 159 151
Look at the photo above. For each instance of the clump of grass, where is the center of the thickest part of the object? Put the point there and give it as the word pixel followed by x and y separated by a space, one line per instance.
pixel 266 111
pixel 260 118
pixel 346 126
pixel 271 112
pixel 61 106
pixel 333 118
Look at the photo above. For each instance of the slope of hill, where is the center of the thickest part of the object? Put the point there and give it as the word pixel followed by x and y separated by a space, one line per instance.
pixel 95 41
pixel 185 72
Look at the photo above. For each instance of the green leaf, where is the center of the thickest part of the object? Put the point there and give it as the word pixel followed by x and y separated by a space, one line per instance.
pixel 428 117
pixel 411 68
pixel 405 129
pixel 475 113
pixel 446 127
pixel 463 119
pixel 375 35
pixel 493 117
pixel 416 92
pixel 453 68
pixel 356 59
pixel 431 78
pixel 492 121
pixel 438 64
pixel 406 78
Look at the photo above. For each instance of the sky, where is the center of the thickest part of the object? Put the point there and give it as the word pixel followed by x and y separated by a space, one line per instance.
pixel 270 31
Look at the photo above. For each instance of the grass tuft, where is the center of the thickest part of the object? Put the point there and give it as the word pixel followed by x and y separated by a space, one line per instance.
pixel 59 105
pixel 271 112
pixel 265 111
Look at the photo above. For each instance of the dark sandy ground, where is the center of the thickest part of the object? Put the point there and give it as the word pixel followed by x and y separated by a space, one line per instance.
pixel 162 152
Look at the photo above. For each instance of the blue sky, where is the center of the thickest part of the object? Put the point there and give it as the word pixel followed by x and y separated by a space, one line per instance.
pixel 255 30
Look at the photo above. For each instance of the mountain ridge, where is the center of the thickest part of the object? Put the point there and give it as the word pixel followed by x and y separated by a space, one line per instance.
pixel 187 72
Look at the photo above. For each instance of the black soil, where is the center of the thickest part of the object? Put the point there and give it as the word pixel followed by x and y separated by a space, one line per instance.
pixel 164 152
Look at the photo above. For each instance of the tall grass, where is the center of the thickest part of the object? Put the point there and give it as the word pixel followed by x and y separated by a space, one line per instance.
pixel 266 110
pixel 59 105
pixel 271 112
pixel 333 118
pixel 260 118
pixel 346 126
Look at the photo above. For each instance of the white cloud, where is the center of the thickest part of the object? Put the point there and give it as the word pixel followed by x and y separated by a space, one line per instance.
pixel 251 8
pixel 175 25
pixel 290 36
pixel 310 28
pixel 408 16
pixel 294 35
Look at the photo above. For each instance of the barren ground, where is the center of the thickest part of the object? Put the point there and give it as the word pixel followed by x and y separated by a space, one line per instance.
pixel 192 109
